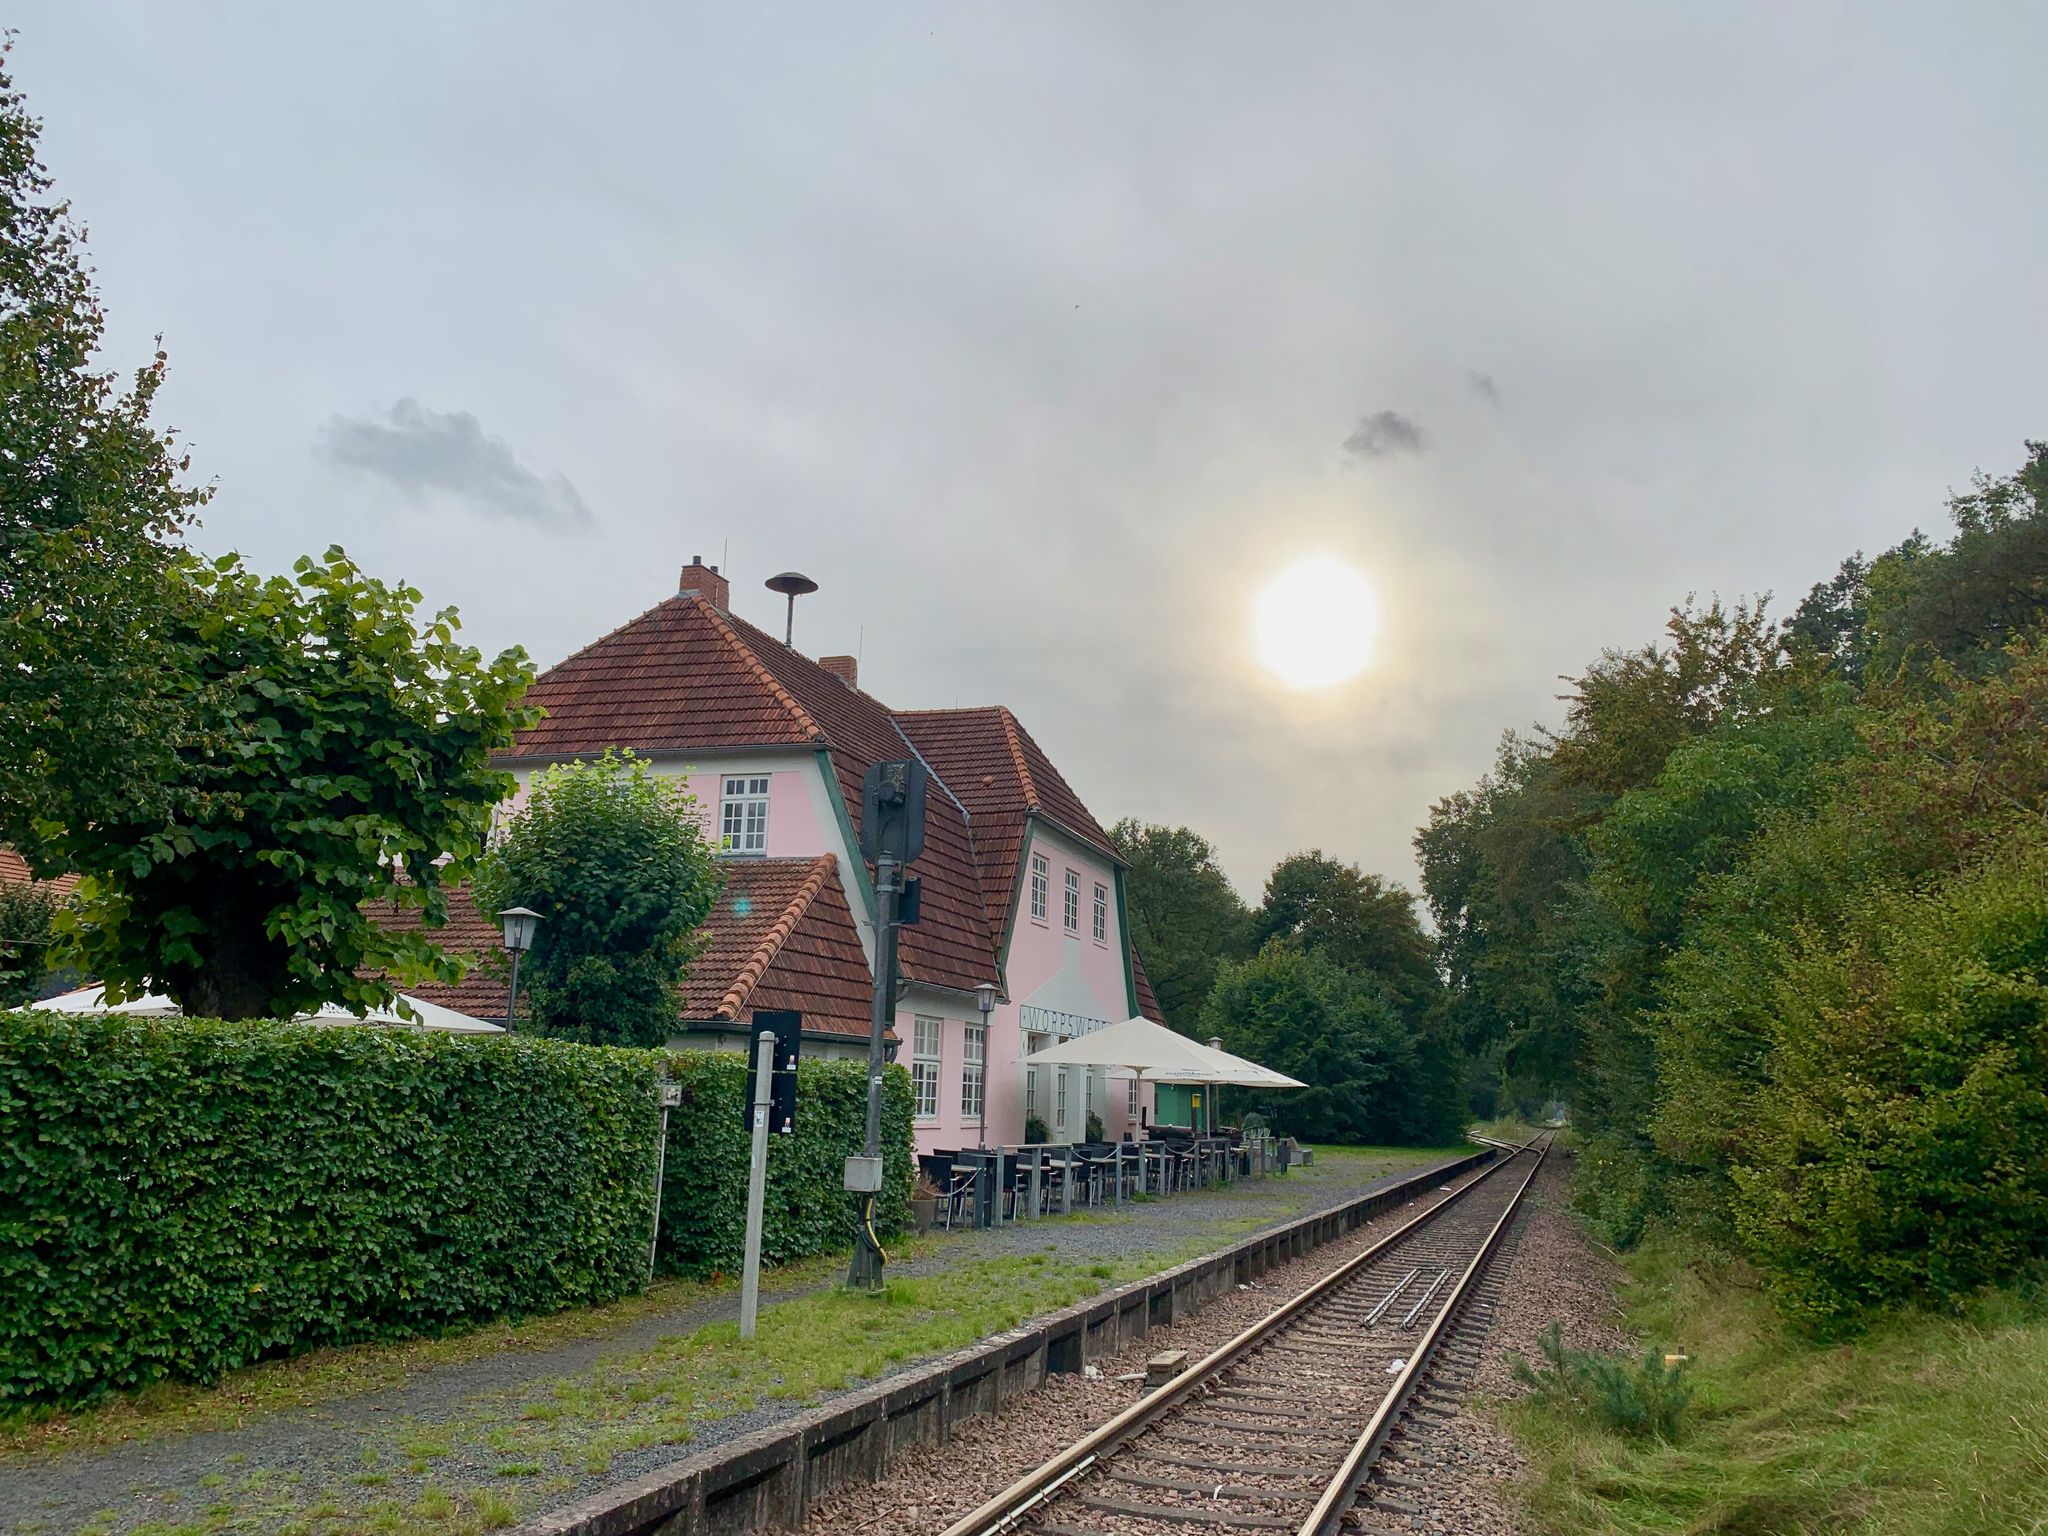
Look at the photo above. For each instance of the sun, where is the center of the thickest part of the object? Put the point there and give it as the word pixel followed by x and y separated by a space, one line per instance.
pixel 1315 622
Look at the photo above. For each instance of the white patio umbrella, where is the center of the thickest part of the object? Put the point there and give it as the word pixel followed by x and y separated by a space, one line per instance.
pixel 1223 1067
pixel 1155 1054
pixel 154 1005
pixel 1139 1046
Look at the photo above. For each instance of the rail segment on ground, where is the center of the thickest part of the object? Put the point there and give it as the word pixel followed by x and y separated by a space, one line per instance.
pixel 1278 1429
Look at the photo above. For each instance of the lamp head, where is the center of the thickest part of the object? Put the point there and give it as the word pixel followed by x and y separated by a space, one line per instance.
pixel 985 998
pixel 519 924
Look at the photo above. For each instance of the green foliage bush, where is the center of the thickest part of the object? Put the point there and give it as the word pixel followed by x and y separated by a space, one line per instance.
pixel 807 1211
pixel 1898 1148
pixel 1372 1079
pixel 1644 1399
pixel 613 856
pixel 181 1197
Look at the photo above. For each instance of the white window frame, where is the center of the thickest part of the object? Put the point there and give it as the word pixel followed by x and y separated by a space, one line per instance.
pixel 927 1033
pixel 1131 1100
pixel 743 814
pixel 1101 913
pixel 1041 886
pixel 973 1072
pixel 1059 1102
pixel 1070 896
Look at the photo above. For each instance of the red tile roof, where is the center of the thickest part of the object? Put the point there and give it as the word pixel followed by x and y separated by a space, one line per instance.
pixel 14 871
pixel 481 993
pixel 781 936
pixel 1148 1005
pixel 673 679
pixel 1003 777
pixel 686 677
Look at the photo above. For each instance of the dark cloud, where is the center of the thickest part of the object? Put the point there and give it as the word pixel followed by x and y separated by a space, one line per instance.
pixel 1383 434
pixel 1483 386
pixel 422 451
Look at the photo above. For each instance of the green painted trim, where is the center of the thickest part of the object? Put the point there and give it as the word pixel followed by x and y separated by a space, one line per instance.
pixel 861 877
pixel 1123 926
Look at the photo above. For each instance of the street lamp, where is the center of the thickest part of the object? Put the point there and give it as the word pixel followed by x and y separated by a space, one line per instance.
pixel 985 1000
pixel 518 923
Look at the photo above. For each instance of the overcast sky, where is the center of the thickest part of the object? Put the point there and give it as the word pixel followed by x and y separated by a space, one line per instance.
pixel 1042 335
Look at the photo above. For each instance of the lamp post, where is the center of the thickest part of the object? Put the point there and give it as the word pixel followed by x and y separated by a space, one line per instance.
pixel 519 924
pixel 985 1000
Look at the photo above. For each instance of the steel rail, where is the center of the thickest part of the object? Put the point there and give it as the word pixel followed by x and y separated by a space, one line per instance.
pixel 1343 1488
pixel 1014 1502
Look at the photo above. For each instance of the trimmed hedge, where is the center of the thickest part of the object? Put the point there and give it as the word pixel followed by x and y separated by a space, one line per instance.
pixel 807 1210
pixel 181 1197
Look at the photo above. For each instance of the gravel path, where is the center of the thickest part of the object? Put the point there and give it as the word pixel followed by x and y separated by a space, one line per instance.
pixel 353 1452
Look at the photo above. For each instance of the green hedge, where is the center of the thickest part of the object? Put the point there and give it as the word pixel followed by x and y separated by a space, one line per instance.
pixel 704 1191
pixel 178 1197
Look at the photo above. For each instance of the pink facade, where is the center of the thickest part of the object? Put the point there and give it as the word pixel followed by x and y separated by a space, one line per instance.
pixel 793 828
pixel 1059 981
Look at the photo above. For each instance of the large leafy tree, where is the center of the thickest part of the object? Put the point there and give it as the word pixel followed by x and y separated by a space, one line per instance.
pixel 1359 922
pixel 1370 1077
pixel 91 498
pixel 334 753
pixel 1185 917
pixel 614 858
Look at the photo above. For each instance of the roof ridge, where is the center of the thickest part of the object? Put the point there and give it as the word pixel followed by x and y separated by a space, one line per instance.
pixel 777 935
pixel 760 670
pixel 1031 802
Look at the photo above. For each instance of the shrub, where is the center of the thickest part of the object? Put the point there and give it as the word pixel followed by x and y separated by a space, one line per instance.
pixel 807 1210
pixel 181 1197
pixel 1643 1399
pixel 1036 1132
pixel 1897 1155
pixel 1093 1129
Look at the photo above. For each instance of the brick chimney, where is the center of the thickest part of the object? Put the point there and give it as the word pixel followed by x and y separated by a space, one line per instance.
pixel 701 580
pixel 845 668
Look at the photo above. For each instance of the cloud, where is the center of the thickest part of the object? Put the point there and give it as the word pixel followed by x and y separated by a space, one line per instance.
pixel 422 451
pixel 1483 386
pixel 1382 434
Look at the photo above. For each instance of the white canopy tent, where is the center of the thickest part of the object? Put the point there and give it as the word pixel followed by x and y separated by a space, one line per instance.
pixel 156 1006
pixel 1155 1054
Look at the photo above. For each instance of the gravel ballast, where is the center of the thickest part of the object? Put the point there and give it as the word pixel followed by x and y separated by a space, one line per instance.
pixel 1458 1463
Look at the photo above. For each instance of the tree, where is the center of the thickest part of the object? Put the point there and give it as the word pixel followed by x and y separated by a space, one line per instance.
pixel 90 501
pixel 613 856
pixel 1185 917
pixel 27 925
pixel 333 755
pixel 1361 923
pixel 1369 1077
pixel 1965 602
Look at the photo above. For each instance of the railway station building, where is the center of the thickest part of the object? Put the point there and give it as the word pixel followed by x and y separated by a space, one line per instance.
pixel 1022 888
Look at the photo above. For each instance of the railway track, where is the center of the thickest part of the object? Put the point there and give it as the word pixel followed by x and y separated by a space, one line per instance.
pixel 1284 1427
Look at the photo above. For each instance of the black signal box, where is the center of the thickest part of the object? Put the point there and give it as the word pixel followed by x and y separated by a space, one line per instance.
pixel 788 1027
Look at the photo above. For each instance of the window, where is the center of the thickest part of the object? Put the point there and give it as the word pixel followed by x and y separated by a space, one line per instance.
pixel 1101 913
pixel 924 1068
pixel 1059 1102
pixel 743 814
pixel 1073 902
pixel 1041 886
pixel 973 1071
pixel 1131 1100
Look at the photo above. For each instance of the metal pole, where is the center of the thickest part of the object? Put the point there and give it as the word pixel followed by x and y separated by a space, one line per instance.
pixel 865 1273
pixel 512 999
pixel 757 1181
pixel 660 1162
